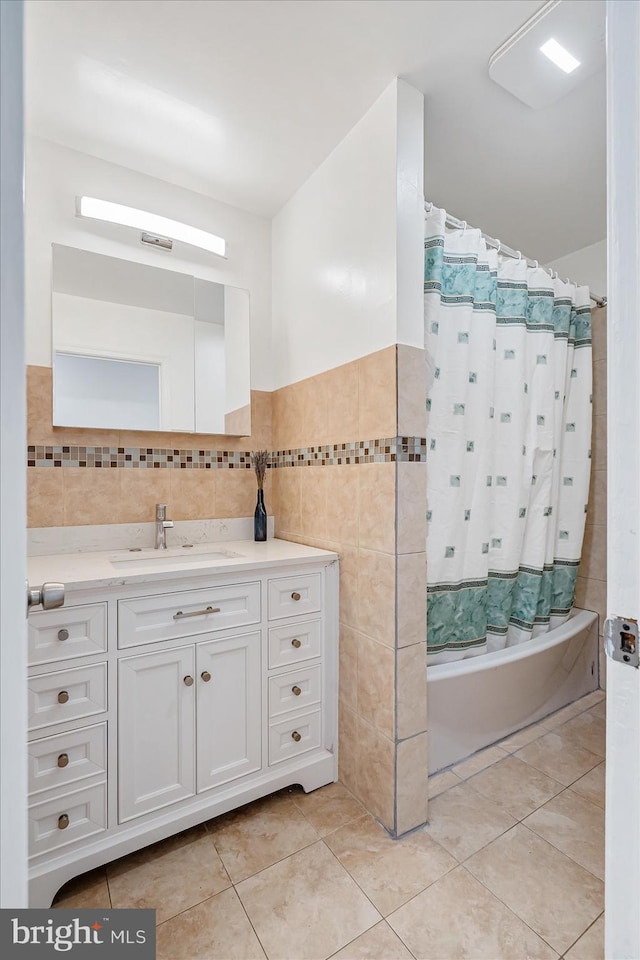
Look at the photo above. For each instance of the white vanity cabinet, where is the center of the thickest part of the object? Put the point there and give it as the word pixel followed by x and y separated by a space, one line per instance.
pixel 159 702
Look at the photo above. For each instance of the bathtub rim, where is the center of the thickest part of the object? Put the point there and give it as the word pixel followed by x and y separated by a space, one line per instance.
pixel 577 620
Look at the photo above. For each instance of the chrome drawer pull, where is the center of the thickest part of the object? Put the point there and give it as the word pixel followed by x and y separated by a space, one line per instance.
pixel 195 613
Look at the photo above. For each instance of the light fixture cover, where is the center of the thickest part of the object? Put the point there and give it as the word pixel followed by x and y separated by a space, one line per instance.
pixel 575 25
pixel 558 55
pixel 150 222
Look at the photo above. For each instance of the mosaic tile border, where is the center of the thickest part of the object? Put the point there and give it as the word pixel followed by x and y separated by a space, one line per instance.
pixel 401 449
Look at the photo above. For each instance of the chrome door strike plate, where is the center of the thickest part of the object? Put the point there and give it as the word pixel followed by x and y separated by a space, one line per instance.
pixel 621 640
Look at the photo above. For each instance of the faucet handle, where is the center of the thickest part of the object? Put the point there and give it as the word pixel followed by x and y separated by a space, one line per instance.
pixel 161 511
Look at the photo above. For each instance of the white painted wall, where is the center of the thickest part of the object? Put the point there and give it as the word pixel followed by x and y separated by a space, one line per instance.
pixel 347 247
pixel 56 175
pixel 13 564
pixel 587 265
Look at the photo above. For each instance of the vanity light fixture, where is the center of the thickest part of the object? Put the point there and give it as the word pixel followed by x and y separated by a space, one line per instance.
pixel 558 55
pixel 149 223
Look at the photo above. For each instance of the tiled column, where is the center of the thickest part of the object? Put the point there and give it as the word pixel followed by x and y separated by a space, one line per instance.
pixel 370 509
pixel 411 570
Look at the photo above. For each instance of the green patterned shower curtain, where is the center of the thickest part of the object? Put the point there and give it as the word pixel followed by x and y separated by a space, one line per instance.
pixel 509 383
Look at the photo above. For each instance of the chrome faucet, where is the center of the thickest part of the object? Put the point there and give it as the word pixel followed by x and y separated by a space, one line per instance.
pixel 162 525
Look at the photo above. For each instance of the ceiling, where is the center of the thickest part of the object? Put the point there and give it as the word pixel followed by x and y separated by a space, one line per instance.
pixel 243 99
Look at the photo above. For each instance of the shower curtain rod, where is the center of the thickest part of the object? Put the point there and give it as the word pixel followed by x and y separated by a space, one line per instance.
pixel 504 250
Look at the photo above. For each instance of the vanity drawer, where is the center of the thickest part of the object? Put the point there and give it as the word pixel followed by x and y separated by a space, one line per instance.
pixel 293 736
pixel 63 760
pixel 291 596
pixel 67 695
pixel 65 819
pixel 66 633
pixel 149 619
pixel 294 691
pixel 294 642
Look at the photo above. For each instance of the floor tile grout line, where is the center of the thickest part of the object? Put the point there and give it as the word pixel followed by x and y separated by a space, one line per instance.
pixel 567 855
pixel 279 860
pixel 384 921
pixel 246 913
pixel 583 933
pixel 511 910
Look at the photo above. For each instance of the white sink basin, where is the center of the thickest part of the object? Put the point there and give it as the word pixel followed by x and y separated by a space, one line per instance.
pixel 174 556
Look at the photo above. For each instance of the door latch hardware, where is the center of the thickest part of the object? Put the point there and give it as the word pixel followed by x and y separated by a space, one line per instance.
pixel 621 640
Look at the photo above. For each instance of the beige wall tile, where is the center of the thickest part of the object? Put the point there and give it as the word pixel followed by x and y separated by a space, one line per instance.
pixel 313 500
pixel 343 503
pixel 39 405
pixel 349 563
pixel 313 425
pixel 238 422
pixel 286 411
pixel 599 443
pixel 286 504
pixel 592 595
pixel 376 596
pixel 377 485
pixel 92 495
pixel 236 493
pixel 594 552
pixel 376 685
pixel 597 507
pixel 411 685
pixel 412 392
pixel 140 490
pixel 342 423
pixel 599 333
pixel 348 747
pixel 45 502
pixel 412 507
pixel 411 784
pixel 377 395
pixel 193 493
pixel 348 649
pixel 600 388
pixel 375 768
pixel 412 598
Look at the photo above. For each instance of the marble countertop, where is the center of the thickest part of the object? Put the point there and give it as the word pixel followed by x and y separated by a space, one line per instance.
pixel 121 567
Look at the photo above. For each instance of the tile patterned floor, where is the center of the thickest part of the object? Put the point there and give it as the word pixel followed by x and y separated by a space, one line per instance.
pixel 510 866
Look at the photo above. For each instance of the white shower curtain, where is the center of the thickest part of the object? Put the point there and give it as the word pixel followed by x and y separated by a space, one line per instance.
pixel 509 386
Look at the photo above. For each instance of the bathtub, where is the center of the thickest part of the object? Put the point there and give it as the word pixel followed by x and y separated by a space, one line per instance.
pixel 474 702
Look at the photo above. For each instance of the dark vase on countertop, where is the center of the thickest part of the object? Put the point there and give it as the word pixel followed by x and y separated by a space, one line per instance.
pixel 260 518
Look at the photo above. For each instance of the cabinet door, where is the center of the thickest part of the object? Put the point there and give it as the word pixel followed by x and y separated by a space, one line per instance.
pixel 156 735
pixel 229 712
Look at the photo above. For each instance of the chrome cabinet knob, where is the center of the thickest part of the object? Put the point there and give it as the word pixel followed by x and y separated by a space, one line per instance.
pixel 63 821
pixel 296 736
pixel 296 691
pixel 295 595
pixel 296 643
pixel 206 676
pixel 188 681
pixel 63 697
pixel 63 634
pixel 63 760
